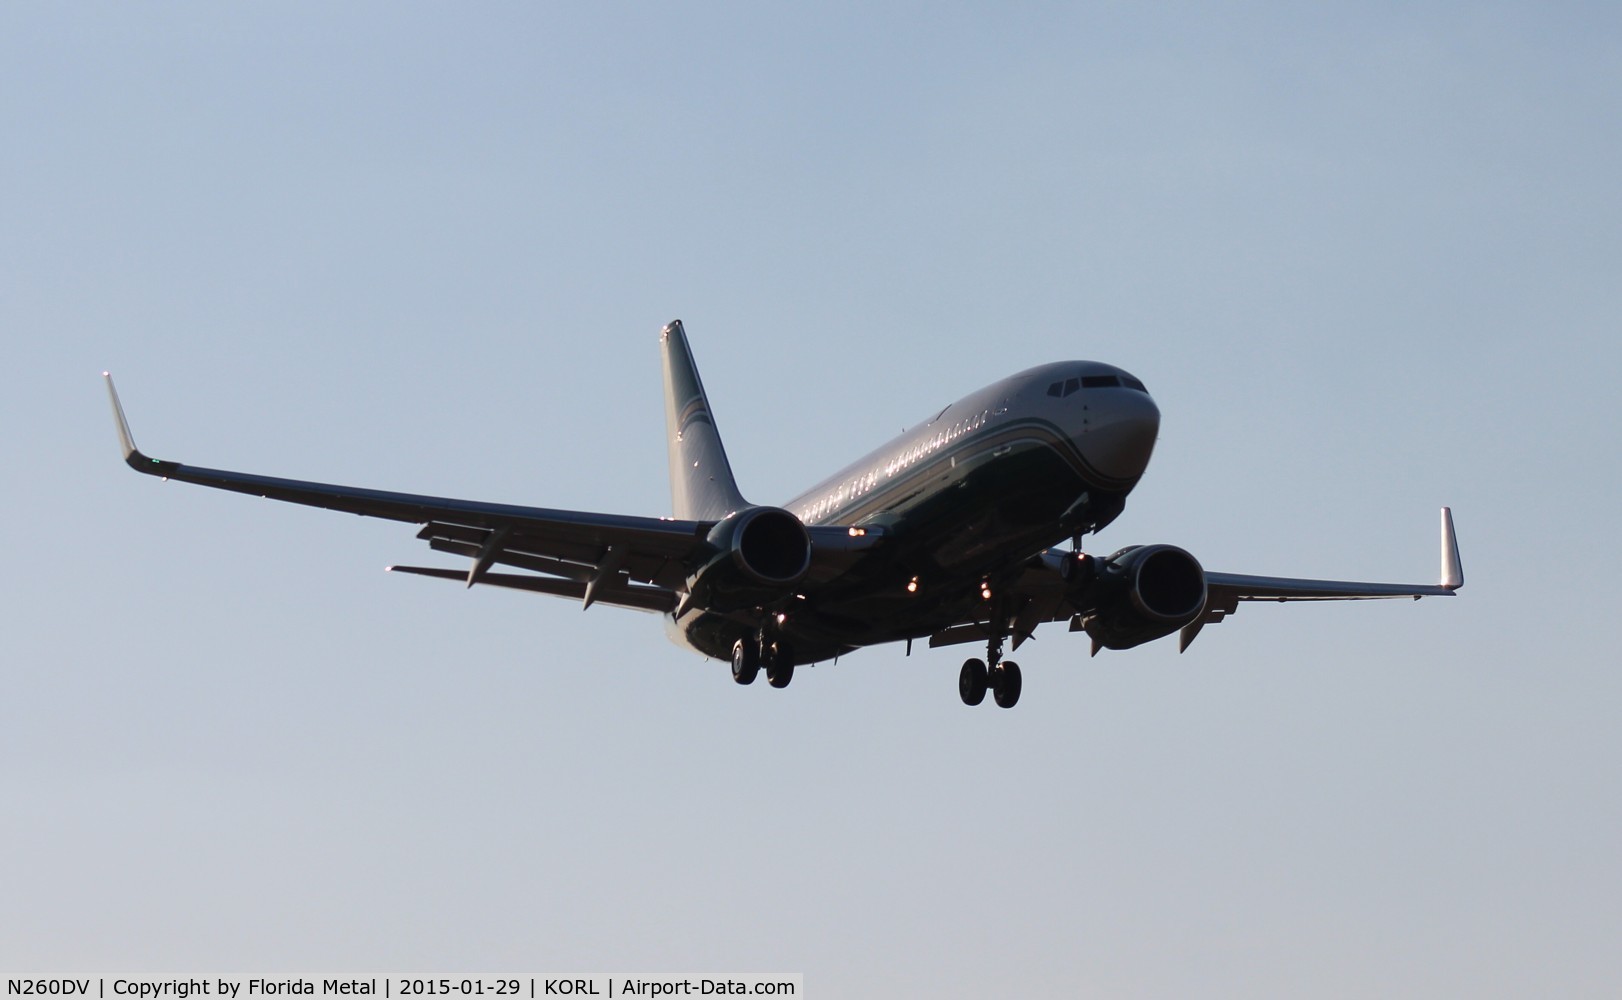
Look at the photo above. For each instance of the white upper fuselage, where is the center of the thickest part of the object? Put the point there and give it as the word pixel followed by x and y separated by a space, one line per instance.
pixel 1103 412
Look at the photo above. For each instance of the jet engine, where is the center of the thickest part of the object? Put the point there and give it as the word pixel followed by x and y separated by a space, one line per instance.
pixel 1143 592
pixel 757 556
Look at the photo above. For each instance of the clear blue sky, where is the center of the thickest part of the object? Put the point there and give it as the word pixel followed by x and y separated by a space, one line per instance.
pixel 1366 257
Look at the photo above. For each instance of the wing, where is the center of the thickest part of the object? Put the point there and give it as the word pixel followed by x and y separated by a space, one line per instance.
pixel 1040 594
pixel 1224 591
pixel 636 562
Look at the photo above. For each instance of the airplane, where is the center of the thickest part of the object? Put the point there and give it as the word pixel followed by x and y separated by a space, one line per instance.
pixel 950 533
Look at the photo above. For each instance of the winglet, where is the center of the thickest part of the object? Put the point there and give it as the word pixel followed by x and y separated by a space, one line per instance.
pixel 130 451
pixel 1452 566
pixel 132 455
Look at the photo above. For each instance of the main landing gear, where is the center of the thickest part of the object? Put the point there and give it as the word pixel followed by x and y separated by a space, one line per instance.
pixel 1002 677
pixel 1003 680
pixel 749 655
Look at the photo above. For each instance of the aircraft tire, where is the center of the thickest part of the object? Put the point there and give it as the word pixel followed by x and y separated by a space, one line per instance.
pixel 971 682
pixel 1006 684
pixel 745 661
pixel 778 661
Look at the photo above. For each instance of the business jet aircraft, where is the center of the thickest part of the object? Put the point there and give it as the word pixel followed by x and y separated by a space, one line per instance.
pixel 947 532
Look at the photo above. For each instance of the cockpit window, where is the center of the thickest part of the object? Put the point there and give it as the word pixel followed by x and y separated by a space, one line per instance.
pixel 1070 385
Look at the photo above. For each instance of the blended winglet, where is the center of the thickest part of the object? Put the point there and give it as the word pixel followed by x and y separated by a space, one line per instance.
pixel 128 441
pixel 132 455
pixel 1452 565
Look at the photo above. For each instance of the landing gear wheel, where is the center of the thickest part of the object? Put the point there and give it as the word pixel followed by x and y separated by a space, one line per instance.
pixel 1005 684
pixel 745 661
pixel 971 682
pixel 779 664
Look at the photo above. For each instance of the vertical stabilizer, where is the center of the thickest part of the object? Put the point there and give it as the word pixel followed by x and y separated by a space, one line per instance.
pixel 701 484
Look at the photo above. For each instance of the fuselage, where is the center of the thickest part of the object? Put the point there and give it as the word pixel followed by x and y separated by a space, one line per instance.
pixel 962 500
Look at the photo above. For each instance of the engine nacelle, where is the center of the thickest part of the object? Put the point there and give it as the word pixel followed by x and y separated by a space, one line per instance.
pixel 759 555
pixel 1144 592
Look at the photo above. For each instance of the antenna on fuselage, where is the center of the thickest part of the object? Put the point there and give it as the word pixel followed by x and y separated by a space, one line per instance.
pixel 1075 518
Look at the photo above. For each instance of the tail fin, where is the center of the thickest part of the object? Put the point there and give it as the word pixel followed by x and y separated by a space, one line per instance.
pixel 701 484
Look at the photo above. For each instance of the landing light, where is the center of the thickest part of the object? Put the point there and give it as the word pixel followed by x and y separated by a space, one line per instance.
pixel 985 591
pixel 858 532
pixel 912 585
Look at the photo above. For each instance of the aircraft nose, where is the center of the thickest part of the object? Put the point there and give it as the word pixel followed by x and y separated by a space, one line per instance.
pixel 1120 434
